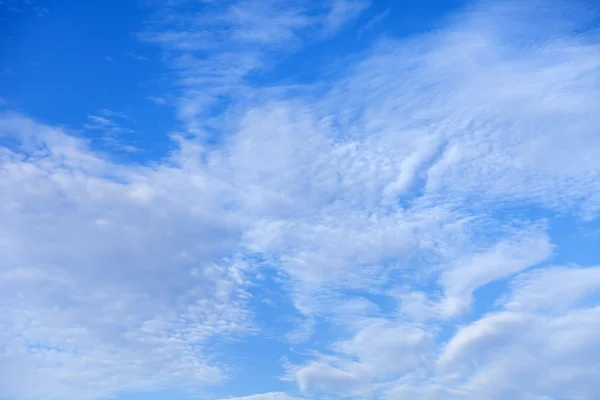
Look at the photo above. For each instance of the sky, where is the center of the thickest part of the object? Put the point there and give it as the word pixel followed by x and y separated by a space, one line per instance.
pixel 299 200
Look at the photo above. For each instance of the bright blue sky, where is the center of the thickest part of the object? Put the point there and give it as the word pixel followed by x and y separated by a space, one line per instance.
pixel 286 200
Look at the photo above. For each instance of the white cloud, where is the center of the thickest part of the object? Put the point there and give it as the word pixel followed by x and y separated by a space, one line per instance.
pixel 157 100
pixel 265 396
pixel 374 21
pixel 503 260
pixel 343 11
pixel 112 278
pixel 322 377
pixel 519 354
pixel 554 289
pixel 389 346
pixel 109 125
pixel 136 56
pixel 379 351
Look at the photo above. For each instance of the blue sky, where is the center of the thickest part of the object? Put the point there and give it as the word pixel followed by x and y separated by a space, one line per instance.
pixel 299 200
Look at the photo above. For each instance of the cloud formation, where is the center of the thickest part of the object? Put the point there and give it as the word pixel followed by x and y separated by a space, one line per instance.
pixel 404 209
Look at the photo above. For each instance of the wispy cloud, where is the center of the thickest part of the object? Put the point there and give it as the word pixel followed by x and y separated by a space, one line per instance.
pixel 216 49
pixel 136 56
pixel 107 120
pixel 110 125
pixel 157 100
pixel 373 22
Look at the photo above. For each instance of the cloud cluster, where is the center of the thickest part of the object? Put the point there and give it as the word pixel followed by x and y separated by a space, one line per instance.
pixel 112 278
